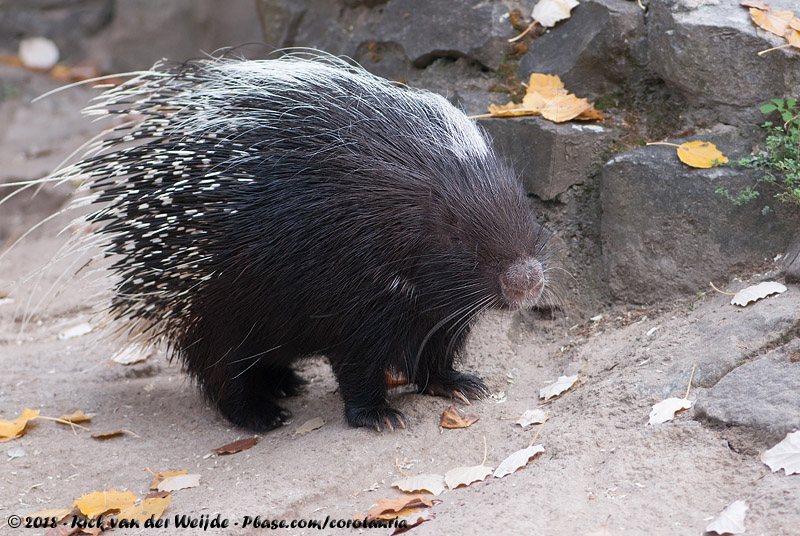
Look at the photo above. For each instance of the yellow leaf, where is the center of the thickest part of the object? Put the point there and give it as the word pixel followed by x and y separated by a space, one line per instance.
pixel 795 24
pixel 700 154
pixel 565 107
pixel 772 21
pixel 153 506
pixel 14 428
pixel 163 475
pixel 93 504
pixel 548 85
pixel 509 110
pixel 590 114
pixel 793 37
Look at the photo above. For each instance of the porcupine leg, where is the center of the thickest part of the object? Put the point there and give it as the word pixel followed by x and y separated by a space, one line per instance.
pixel 435 374
pixel 280 381
pixel 364 393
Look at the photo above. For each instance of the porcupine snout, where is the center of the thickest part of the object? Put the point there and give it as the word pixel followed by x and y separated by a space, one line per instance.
pixel 522 283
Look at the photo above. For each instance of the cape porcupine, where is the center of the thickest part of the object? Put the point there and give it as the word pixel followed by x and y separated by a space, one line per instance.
pixel 257 212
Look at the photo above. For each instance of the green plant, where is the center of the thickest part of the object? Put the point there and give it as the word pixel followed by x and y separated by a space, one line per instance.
pixel 780 159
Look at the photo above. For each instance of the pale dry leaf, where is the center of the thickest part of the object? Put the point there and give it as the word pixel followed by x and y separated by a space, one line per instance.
pixel 464 476
pixel 131 355
pixel 559 386
pixel 532 416
pixel 174 483
pixel 667 409
pixel 38 53
pixel 77 330
pixel 310 425
pixel 785 455
pixel 549 12
pixel 517 460
pixel 431 483
pixel 159 477
pixel 731 520
pixel 756 292
pixel 754 3
pixel 76 417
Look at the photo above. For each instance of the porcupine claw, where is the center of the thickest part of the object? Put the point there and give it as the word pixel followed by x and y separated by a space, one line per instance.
pixel 459 395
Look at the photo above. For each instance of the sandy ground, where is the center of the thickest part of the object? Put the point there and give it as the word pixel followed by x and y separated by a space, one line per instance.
pixel 602 465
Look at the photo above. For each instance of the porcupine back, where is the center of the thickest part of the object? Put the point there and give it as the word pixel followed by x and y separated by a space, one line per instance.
pixel 255 212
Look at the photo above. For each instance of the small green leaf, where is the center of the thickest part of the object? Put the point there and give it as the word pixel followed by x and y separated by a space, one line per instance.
pixel 778 102
pixel 767 108
pixel 790 103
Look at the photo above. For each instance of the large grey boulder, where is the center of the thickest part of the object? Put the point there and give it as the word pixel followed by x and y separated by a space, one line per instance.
pixel 549 157
pixel 708 51
pixel 665 231
pixel 601 45
pixel 412 31
pixel 762 396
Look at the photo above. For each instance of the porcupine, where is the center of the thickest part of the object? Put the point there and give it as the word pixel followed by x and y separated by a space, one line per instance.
pixel 260 211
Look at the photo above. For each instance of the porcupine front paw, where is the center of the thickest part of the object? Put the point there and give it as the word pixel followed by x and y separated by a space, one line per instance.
pixel 458 385
pixel 374 417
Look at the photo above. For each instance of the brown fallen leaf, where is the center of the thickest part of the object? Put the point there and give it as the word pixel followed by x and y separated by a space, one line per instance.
pixel 16 427
pixel 108 435
pixel 76 417
pixel 414 521
pixel 399 504
pixel 455 418
pixel 237 446
pixel 93 504
pixel 161 476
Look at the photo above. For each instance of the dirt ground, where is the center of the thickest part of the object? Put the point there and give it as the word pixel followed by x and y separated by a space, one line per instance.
pixel 603 466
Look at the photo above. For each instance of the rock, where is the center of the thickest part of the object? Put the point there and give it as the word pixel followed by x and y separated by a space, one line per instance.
pixel 791 263
pixel 407 32
pixel 665 231
pixel 600 46
pixel 762 396
pixel 550 157
pixel 707 50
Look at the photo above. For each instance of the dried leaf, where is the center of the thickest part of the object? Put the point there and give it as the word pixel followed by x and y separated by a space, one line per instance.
pixel 430 483
pixel 771 20
pixel 455 418
pixel 756 292
pixel 510 110
pixel 517 460
pixel 15 428
pixel 397 505
pixel 785 455
pixel 77 330
pixel 58 513
pixel 464 476
pixel 549 12
pixel 532 416
pixel 108 435
pixel 667 409
pixel 564 106
pixel 590 114
pixel 700 154
pixel 558 387
pixel 93 504
pixel 38 53
pixel 177 482
pixel 793 37
pixel 731 520
pixel 416 521
pixel 76 417
pixel 237 446
pixel 754 3
pixel 131 355
pixel 149 507
pixel 159 477
pixel 309 425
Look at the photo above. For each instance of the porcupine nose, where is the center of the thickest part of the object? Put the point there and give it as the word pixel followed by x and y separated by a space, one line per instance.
pixel 522 283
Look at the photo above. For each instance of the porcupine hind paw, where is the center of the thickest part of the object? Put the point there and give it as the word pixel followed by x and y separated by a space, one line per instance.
pixel 375 417
pixel 458 385
pixel 259 415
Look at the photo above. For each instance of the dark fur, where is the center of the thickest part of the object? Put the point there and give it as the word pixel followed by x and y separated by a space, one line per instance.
pixel 361 237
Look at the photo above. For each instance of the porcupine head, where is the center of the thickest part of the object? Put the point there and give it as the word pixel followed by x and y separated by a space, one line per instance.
pixel 260 212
